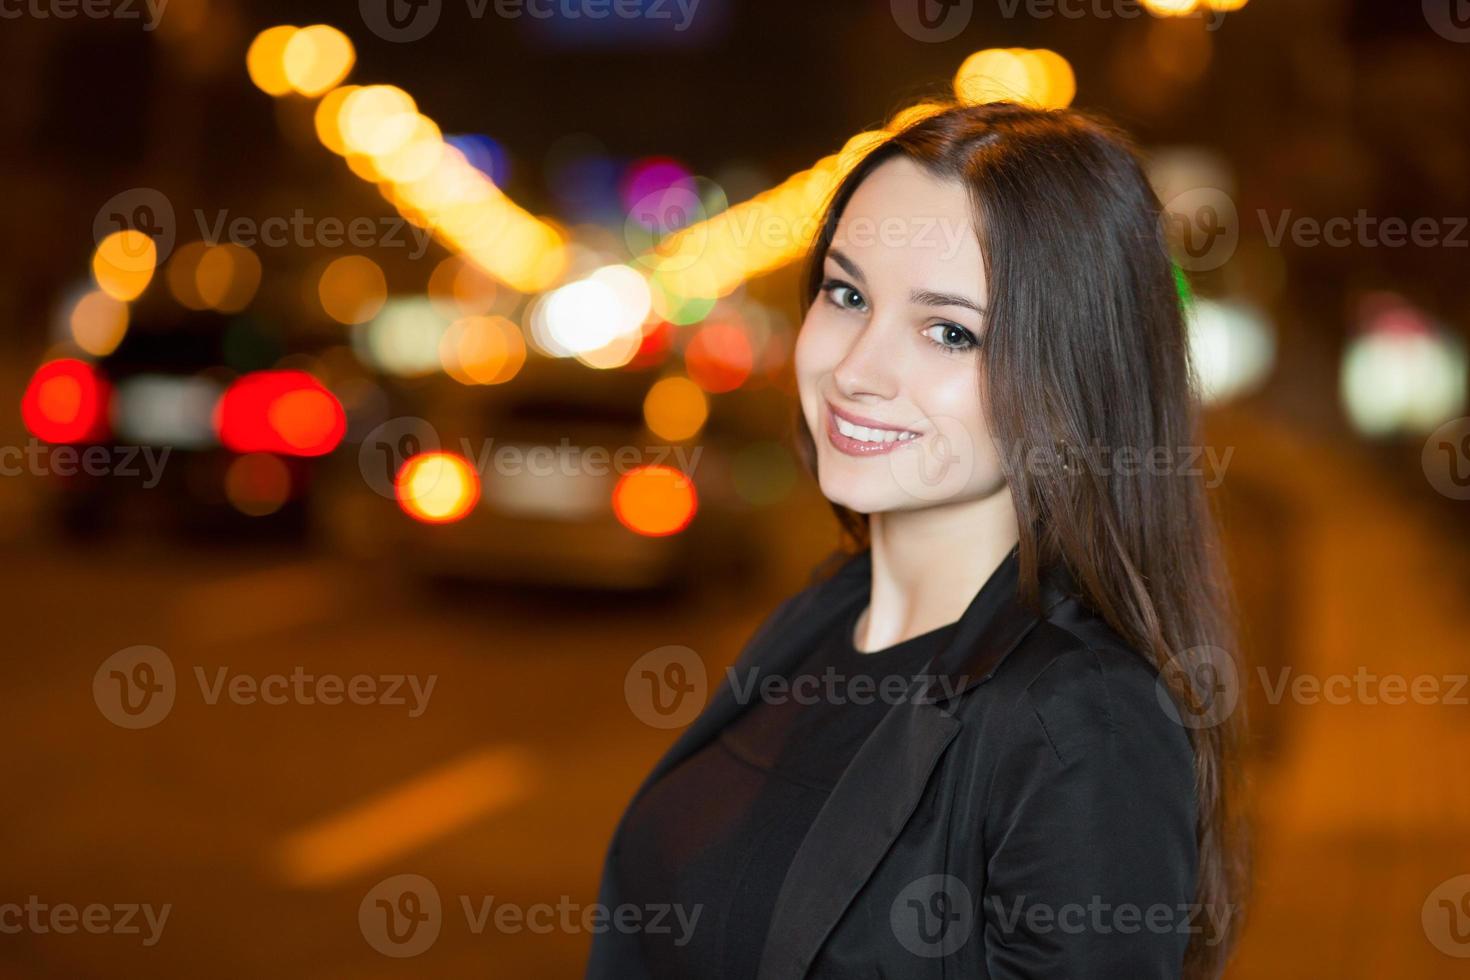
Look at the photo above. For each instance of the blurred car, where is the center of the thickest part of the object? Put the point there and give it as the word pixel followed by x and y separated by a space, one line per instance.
pixel 194 440
pixel 553 478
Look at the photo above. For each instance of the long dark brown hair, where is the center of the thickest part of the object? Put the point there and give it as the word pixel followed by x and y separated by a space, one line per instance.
pixel 1085 345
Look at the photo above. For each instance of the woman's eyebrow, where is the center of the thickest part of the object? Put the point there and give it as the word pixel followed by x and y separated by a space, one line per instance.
pixel 848 265
pixel 927 297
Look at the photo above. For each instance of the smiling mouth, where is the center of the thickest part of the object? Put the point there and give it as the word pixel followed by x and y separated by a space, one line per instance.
pixel 857 439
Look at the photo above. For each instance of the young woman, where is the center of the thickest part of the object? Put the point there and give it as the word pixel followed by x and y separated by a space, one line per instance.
pixel 996 398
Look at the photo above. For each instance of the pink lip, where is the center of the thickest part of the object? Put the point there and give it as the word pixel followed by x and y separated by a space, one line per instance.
pixel 856 447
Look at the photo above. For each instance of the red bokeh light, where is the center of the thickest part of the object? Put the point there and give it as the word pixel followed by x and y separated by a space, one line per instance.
pixel 286 412
pixel 66 402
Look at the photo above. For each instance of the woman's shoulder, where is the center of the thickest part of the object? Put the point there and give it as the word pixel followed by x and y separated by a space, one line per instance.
pixel 1079 687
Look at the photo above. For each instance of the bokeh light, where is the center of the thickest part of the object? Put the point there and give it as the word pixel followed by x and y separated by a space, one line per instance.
pixel 226 277
pixel 655 501
pixel 437 488
pixel 405 339
pixel 352 289
pixel 257 484
pixel 482 350
pixel 98 323
pixel 675 408
pixel 316 58
pixel 123 264
pixel 265 59
pixel 287 412
pixel 66 402
pixel 719 357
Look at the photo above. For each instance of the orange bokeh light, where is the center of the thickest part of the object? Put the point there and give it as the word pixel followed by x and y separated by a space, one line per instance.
pixel 655 500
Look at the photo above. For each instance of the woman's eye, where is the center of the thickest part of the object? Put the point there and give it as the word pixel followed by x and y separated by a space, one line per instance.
pixel 844 296
pixel 950 337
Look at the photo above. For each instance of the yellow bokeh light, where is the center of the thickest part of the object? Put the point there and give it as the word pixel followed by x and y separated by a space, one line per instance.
pixel 315 58
pixel 993 75
pixel 909 115
pixel 123 264
pixel 1170 8
pixel 377 119
pixel 328 118
pixel 675 409
pixel 98 323
pixel 266 59
pixel 352 289
pixel 437 488
pixel 1061 81
pixel 416 157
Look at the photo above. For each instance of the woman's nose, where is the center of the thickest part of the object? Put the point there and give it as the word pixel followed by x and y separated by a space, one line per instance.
pixel 870 365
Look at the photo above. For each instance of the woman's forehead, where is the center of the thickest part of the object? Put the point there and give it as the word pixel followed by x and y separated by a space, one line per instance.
pixel 903 217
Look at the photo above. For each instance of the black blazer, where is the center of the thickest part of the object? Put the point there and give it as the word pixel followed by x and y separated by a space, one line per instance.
pixel 1028 812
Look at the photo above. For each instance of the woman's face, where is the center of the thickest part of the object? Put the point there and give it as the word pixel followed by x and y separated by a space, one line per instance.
pixel 886 362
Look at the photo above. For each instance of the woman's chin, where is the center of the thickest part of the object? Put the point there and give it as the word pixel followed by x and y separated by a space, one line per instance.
pixel 861 496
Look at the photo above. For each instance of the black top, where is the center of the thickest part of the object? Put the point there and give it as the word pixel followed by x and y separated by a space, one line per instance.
pixel 714 836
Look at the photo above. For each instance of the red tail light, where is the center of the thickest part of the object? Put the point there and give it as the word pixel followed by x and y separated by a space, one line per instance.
pixel 289 413
pixel 66 402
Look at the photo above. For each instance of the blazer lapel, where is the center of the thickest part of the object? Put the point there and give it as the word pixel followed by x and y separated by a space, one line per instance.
pixel 880 789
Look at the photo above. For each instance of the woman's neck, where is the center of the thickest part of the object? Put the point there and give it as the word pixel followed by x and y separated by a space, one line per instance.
pixel 928 564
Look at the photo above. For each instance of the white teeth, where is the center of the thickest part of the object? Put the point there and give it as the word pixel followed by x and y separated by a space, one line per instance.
pixel 863 433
